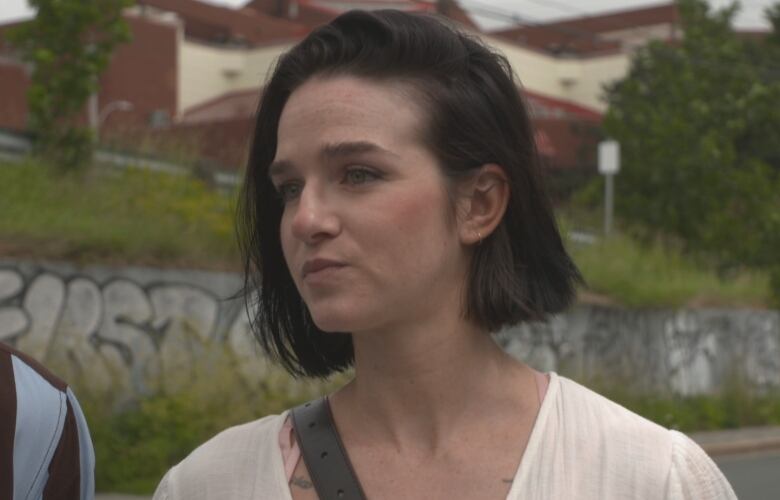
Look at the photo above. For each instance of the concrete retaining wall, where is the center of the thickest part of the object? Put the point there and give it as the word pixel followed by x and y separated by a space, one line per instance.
pixel 686 352
pixel 128 329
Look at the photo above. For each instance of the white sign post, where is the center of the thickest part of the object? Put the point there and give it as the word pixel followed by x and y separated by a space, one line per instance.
pixel 609 165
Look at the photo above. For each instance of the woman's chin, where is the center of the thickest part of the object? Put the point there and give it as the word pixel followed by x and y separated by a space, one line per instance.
pixel 330 321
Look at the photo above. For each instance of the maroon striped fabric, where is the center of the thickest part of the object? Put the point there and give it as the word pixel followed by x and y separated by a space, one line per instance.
pixel 7 424
pixel 60 448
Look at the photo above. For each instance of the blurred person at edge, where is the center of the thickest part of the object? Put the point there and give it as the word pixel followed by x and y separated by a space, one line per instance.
pixel 393 216
pixel 45 448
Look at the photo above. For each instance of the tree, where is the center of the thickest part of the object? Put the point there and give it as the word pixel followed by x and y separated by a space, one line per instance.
pixel 68 45
pixel 699 125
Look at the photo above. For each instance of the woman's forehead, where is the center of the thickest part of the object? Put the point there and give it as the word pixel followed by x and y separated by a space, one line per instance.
pixel 345 110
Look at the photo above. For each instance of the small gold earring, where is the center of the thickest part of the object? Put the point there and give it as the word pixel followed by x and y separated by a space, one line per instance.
pixel 479 236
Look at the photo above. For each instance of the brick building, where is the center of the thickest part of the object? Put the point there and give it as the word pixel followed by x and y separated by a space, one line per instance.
pixel 193 71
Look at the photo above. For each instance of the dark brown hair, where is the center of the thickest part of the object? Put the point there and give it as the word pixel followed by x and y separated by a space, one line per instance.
pixel 475 116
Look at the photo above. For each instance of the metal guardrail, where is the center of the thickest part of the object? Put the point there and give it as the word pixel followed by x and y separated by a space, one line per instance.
pixel 223 180
pixel 583 238
pixel 15 148
pixel 13 144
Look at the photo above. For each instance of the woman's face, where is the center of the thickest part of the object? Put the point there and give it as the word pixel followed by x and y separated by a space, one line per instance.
pixel 365 229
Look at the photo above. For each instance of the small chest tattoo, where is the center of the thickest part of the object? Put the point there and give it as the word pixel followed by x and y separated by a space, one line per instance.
pixel 301 482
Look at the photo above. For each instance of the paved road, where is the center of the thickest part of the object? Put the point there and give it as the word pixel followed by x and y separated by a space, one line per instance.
pixel 754 476
pixel 119 496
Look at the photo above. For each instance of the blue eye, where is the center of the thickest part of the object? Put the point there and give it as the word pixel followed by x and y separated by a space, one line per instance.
pixel 288 191
pixel 359 175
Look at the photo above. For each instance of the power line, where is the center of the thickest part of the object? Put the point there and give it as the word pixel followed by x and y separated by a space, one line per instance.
pixel 498 13
pixel 527 22
pixel 560 6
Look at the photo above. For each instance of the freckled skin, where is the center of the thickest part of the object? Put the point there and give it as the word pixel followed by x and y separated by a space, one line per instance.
pixel 404 260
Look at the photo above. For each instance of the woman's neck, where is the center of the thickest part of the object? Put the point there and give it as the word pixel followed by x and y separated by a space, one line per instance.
pixel 416 388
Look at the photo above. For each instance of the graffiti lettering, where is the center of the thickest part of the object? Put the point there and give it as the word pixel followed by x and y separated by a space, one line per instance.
pixel 110 331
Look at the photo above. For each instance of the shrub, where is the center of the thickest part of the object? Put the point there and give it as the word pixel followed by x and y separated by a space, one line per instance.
pixel 136 442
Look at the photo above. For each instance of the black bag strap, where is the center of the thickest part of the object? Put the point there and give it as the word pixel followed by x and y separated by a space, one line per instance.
pixel 323 453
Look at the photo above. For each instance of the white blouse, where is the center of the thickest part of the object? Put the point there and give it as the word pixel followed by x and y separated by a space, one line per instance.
pixel 582 447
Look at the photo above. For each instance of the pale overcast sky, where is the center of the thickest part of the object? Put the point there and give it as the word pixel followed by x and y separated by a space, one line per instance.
pixel 527 10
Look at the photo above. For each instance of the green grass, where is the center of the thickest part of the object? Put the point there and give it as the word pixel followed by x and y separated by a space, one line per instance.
pixel 142 217
pixel 734 407
pixel 636 275
pixel 132 216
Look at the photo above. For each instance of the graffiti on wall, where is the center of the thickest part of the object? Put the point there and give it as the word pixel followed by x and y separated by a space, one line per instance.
pixel 691 351
pixel 129 332
pixel 119 334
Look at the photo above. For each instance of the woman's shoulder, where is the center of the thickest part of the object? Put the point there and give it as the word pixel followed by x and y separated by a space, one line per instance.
pixel 625 450
pixel 693 474
pixel 227 465
pixel 604 428
pixel 236 442
pixel 585 407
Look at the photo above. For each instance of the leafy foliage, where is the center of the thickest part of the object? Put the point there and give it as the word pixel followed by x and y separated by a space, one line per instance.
pixel 699 127
pixel 137 442
pixel 68 44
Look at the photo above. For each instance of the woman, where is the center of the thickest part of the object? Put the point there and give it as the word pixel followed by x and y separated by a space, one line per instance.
pixel 393 217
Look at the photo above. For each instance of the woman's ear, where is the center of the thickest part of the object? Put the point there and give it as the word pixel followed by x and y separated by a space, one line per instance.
pixel 483 202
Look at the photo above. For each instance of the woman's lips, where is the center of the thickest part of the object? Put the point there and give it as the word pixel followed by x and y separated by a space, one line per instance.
pixel 315 266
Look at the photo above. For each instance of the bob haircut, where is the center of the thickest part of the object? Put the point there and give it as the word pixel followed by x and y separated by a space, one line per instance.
pixel 475 116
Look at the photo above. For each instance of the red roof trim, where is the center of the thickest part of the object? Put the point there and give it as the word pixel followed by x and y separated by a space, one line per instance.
pixel 568 106
pixel 609 21
pixel 581 35
pixel 255 26
pixel 576 110
pixel 218 99
pixel 323 7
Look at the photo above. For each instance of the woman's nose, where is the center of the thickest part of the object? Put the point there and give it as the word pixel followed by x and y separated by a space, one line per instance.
pixel 314 218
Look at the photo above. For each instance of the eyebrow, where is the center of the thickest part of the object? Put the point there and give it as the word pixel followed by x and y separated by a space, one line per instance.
pixel 333 151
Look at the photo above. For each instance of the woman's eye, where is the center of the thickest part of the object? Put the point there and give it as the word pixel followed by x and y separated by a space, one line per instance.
pixel 360 176
pixel 289 191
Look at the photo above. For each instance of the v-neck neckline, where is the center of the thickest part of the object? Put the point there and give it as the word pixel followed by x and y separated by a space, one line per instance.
pixel 534 439
pixel 522 469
